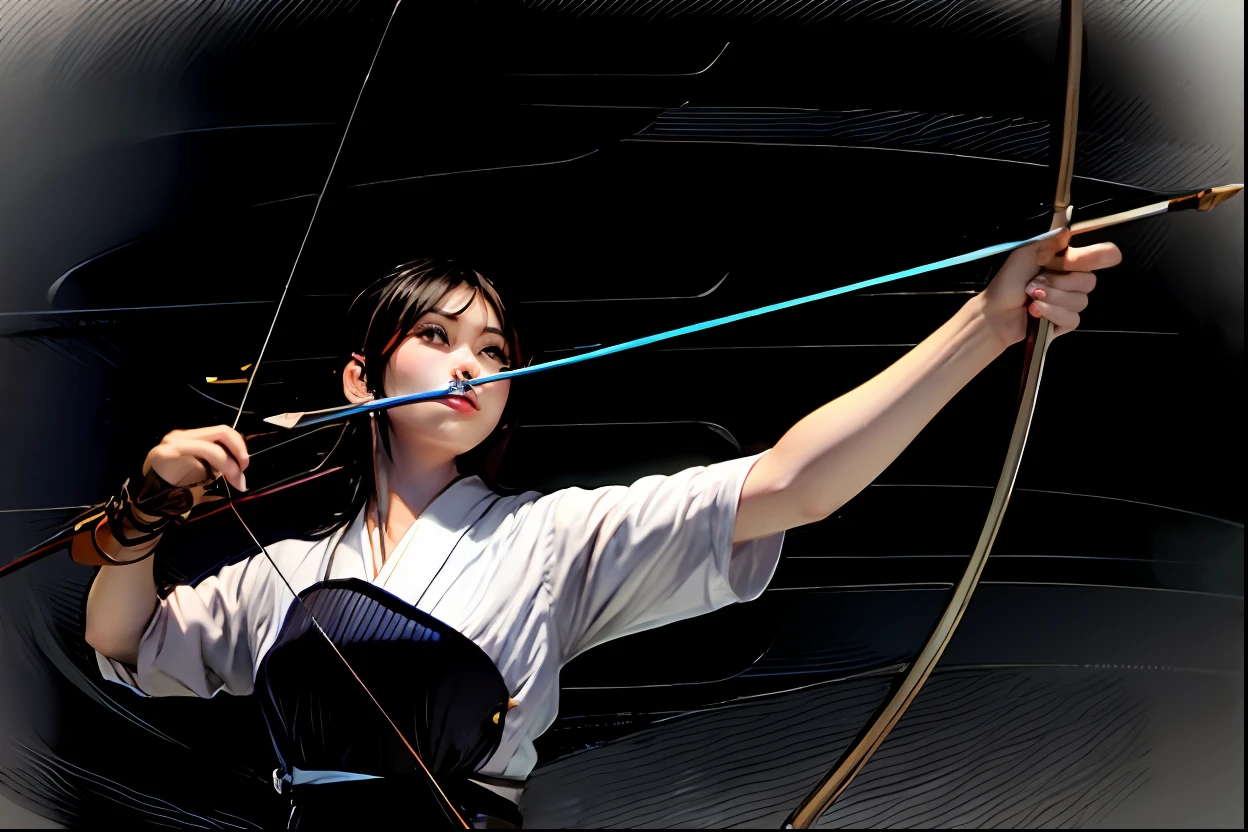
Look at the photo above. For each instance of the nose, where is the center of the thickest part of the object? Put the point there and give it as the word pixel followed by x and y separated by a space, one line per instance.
pixel 466 369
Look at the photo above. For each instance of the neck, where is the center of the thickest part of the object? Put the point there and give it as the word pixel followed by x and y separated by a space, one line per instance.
pixel 408 483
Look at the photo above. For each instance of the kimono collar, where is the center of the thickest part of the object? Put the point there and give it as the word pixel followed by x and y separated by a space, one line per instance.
pixel 448 513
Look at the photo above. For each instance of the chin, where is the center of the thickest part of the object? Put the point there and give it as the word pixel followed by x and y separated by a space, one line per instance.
pixel 456 436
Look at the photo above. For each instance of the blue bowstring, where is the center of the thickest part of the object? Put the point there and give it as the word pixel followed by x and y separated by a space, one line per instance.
pixel 381 404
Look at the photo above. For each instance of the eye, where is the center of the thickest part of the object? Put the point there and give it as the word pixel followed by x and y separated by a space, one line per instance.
pixel 496 353
pixel 431 331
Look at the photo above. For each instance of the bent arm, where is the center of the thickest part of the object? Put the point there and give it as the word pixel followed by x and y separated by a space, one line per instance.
pixel 835 452
pixel 199 640
pixel 122 600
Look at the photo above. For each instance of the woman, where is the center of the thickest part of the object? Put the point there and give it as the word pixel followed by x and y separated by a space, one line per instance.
pixel 519 583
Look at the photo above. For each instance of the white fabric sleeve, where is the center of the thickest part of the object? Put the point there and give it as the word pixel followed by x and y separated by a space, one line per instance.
pixel 623 559
pixel 210 637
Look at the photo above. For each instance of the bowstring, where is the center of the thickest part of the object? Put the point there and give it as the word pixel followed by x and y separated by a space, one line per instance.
pixel 320 198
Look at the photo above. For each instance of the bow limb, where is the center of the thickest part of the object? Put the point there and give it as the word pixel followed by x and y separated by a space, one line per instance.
pixel 447 805
pixel 904 691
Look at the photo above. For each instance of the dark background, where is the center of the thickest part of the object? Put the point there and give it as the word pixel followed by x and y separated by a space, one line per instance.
pixel 619 172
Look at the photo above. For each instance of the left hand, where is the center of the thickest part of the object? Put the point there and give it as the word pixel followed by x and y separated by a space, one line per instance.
pixel 1045 279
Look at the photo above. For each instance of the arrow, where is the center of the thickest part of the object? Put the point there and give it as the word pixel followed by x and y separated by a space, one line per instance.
pixel 1203 200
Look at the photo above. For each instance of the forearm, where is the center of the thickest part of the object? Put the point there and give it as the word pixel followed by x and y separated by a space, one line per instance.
pixel 835 452
pixel 123 598
pixel 121 602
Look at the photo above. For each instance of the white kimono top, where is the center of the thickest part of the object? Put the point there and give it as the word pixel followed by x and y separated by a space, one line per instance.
pixel 532 579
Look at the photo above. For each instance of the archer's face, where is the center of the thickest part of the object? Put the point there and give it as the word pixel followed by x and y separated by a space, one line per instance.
pixel 441 347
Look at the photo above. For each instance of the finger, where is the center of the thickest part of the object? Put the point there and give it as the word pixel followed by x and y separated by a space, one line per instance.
pixel 228 438
pixel 225 436
pixel 1066 281
pixel 1073 301
pixel 1064 319
pixel 1086 258
pixel 1048 249
pixel 213 454
pixel 1036 254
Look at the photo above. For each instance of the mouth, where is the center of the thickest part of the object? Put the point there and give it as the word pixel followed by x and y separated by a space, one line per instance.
pixel 464 404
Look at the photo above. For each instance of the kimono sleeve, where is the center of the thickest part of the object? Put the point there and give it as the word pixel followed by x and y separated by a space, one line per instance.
pixel 210 637
pixel 623 559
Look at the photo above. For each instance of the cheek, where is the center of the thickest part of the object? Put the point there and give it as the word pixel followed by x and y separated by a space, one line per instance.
pixel 410 368
pixel 497 398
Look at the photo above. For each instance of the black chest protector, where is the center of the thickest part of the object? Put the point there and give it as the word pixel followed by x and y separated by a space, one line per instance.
pixel 438 690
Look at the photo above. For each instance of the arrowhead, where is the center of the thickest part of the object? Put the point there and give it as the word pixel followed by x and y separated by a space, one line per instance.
pixel 285 420
pixel 1214 197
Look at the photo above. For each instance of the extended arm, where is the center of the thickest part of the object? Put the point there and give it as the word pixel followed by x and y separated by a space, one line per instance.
pixel 835 452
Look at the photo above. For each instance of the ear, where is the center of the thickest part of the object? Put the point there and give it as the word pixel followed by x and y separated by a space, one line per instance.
pixel 354 385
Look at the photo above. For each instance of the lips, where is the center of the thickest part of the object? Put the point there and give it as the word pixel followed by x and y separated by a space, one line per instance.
pixel 464 404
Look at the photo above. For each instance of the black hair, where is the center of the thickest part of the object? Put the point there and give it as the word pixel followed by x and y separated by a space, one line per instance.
pixel 379 321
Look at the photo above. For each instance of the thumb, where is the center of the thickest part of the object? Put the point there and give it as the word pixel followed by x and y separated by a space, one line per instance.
pixel 1050 247
pixel 1025 262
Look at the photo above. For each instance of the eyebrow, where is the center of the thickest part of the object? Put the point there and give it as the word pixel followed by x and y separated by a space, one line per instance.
pixel 493 330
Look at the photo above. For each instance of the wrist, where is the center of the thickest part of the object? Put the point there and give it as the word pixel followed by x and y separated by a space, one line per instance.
pixel 144 517
pixel 996 329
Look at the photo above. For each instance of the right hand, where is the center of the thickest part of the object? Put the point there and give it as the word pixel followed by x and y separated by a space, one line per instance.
pixel 177 459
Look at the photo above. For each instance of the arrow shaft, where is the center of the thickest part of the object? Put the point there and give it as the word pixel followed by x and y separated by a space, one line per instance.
pixel 317 417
